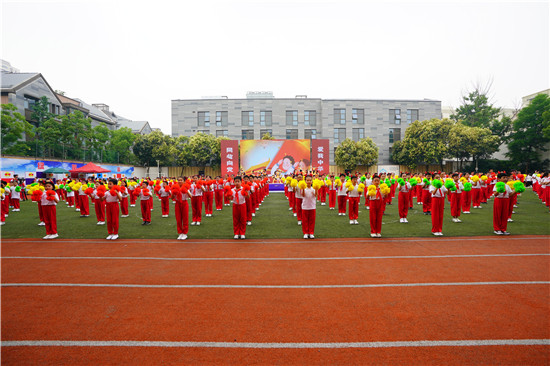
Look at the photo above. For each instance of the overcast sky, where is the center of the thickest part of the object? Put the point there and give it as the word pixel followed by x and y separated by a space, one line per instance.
pixel 136 56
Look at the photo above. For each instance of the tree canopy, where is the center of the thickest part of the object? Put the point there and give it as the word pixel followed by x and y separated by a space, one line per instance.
pixel 349 154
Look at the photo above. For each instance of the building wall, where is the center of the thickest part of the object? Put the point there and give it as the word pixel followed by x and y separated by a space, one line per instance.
pixel 36 89
pixel 376 124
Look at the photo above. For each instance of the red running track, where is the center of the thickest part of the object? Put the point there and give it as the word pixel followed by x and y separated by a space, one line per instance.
pixel 513 306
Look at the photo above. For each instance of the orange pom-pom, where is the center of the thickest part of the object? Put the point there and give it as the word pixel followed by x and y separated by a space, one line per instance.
pixel 145 192
pixel 113 192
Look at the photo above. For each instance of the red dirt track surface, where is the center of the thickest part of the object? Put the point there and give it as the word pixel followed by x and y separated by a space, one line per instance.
pixel 411 301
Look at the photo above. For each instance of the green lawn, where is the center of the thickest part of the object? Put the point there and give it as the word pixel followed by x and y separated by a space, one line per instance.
pixel 274 220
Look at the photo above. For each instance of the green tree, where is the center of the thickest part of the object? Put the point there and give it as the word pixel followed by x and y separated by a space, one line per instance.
pixel 14 129
pixel 203 150
pixel 50 135
pixel 76 130
pixel 367 152
pixel 41 111
pixel 120 144
pixel 346 154
pixel 267 136
pixel 466 142
pixel 98 140
pixel 401 156
pixel 143 150
pixel 528 138
pixel 152 147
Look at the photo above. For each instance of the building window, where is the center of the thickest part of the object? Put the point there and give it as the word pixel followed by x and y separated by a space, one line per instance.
pixel 395 116
pixel 204 131
pixel 339 135
pixel 265 118
pixel 395 135
pixel 248 134
pixel 29 102
pixel 358 134
pixel 358 116
pixel 291 134
pixel 310 118
pixel 339 116
pixel 412 115
pixel 264 131
pixel 292 118
pixel 247 118
pixel 221 118
pixel 310 134
pixel 222 133
pixel 203 119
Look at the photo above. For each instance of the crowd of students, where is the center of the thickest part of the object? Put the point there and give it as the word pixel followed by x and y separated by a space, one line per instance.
pixel 111 198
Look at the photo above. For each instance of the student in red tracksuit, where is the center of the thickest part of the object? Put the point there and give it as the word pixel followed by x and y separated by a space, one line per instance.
pixel 342 194
pixel 84 204
pixel 15 196
pixel 476 192
pixel 438 206
pixel 181 195
pixel 218 193
pixel 6 200
pixel 208 197
pixel 99 204
pixel 131 194
pixel 332 188
pixel 248 199
pixel 197 191
pixel 426 195
pixel 403 199
pixel 456 198
pixel 124 193
pixel 466 196
pixel 49 200
pixel 322 192
pixel 501 206
pixel 298 200
pixel 309 204
pixel 291 198
pixel 112 197
pixel 144 196
pixel 70 197
pixel 354 198
pixel 164 193
pixel 375 211
pixel 227 183
pixel 2 215
pixel 238 197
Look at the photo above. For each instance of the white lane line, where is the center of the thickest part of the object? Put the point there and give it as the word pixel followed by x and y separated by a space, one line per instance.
pixel 427 284
pixel 289 259
pixel 460 343
pixel 335 241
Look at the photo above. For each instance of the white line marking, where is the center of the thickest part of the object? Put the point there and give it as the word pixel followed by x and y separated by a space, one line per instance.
pixel 289 259
pixel 277 286
pixel 338 241
pixel 461 343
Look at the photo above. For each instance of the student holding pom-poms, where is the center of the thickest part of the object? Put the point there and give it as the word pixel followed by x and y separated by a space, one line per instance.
pixel 426 195
pixel 455 188
pixel 180 194
pixel 376 197
pixel 437 191
pixel 466 194
pixel 2 215
pixel 403 198
pixel 124 193
pixel 309 205
pixel 354 191
pixel 165 194
pixel 98 195
pixel 502 193
pixel 49 200
pixel 342 194
pixel 197 190
pixel 332 188
pixel 112 197
pixel 84 204
pixel 15 196
pixel 238 196
pixel 144 196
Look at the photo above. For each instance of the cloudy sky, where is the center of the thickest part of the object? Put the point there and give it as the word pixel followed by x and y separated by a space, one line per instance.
pixel 136 56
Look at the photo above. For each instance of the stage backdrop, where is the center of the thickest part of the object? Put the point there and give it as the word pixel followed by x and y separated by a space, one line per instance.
pixel 275 156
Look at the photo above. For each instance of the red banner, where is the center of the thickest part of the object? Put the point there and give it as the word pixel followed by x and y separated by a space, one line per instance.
pixel 230 157
pixel 320 156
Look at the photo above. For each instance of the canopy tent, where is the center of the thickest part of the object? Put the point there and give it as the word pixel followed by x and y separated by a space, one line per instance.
pixel 56 171
pixel 90 168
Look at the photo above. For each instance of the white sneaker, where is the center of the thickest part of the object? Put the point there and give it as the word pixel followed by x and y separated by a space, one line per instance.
pixel 373 235
pixel 405 220
pixel 248 223
pixel 290 208
pixel 401 220
pixel 440 234
pixel 236 237
pixel 306 236
pixel 505 233
pixel 179 237
pixel 253 215
pixel 198 223
pixel 243 237
pixel 109 237
pixel 132 205
pixel 378 235
pixel 193 223
pixel 47 237
pixel 515 206
pixel 294 215
pixel 54 236
pixel 299 223
pixel 312 236
pixel 41 223
pixel 458 220
pixel 77 209
pixel 351 222
pixel 435 234
pixel 114 237
pixel 356 222
pixel 510 220
pixel 183 237
pixel 466 212
pixel 2 223
pixel 498 232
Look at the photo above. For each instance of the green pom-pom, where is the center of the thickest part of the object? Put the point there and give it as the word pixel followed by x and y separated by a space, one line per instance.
pixel 519 187
pixel 450 184
pixel 413 182
pixel 426 181
pixel 363 178
pixel 392 181
pixel 401 181
pixel 348 178
pixel 437 183
pixel 500 187
pixel 68 189
pixel 17 189
pixel 467 187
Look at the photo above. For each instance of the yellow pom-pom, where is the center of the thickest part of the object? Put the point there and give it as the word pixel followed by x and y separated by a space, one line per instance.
pixel 463 180
pixel 338 182
pixel 475 178
pixel 483 177
pixel 2 190
pixel 42 188
pixel 293 183
pixel 302 184
pixel 510 183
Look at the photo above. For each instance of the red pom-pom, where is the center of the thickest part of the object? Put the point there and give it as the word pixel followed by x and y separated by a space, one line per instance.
pixel 175 189
pixel 220 181
pixel 227 188
pixel 246 187
pixel 100 193
pixel 146 192
pixel 244 192
pixel 157 188
pixel 113 192
pixel 101 188
pixel 50 192
pixel 90 190
pixel 50 198
pixel 184 190
pixel 137 191
pixel 151 183
pixel 122 189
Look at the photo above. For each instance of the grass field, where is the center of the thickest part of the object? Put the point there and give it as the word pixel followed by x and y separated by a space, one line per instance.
pixel 274 220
